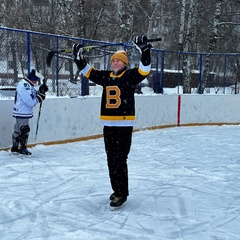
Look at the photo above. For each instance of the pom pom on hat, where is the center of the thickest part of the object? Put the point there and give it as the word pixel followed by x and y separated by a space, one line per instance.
pixel 121 54
pixel 32 75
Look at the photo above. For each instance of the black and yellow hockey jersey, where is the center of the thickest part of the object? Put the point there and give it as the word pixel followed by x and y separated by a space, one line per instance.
pixel 118 104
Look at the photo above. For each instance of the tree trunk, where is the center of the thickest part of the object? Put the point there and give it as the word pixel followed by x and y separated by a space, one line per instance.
pixel 186 45
pixel 211 47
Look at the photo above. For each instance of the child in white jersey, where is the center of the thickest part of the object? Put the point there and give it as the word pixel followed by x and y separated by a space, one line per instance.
pixel 26 97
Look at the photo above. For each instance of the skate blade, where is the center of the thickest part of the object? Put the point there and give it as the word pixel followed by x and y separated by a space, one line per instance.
pixel 24 156
pixel 14 154
pixel 20 155
pixel 117 208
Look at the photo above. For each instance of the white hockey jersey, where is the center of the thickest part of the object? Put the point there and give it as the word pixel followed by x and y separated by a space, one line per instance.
pixel 25 100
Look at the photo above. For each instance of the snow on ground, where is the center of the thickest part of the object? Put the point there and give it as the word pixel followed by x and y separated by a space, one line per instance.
pixel 184 185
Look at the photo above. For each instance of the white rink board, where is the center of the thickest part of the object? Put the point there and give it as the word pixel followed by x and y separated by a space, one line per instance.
pixel 73 118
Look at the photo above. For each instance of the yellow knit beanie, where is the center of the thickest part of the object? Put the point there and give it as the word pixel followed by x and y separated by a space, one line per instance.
pixel 121 54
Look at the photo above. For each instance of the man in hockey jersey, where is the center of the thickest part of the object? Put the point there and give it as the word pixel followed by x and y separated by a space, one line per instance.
pixel 26 97
pixel 117 110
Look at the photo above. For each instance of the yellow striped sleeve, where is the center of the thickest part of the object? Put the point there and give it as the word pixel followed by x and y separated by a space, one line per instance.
pixel 144 70
pixel 87 70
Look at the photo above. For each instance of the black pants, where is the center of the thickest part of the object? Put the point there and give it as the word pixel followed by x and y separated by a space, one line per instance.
pixel 117 146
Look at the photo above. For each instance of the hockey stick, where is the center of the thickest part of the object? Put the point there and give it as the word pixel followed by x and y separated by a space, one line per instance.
pixel 69 50
pixel 40 107
pixel 68 57
pixel 39 114
pixel 65 56
pixel 89 48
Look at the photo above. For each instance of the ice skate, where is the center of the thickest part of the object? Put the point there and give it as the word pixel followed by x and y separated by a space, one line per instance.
pixel 117 202
pixel 15 150
pixel 24 151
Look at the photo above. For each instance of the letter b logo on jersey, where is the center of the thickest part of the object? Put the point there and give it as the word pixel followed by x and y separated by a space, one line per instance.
pixel 113 99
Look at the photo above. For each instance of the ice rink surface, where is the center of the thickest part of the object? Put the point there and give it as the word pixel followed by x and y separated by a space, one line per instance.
pixel 184 185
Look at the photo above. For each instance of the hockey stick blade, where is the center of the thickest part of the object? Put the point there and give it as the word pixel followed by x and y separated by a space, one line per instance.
pixel 53 52
pixel 49 58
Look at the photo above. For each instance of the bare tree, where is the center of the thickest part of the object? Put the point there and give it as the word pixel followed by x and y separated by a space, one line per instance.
pixel 186 38
pixel 184 25
pixel 212 45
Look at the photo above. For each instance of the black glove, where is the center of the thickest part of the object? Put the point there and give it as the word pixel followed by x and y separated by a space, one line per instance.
pixel 79 59
pixel 40 97
pixel 43 88
pixel 141 43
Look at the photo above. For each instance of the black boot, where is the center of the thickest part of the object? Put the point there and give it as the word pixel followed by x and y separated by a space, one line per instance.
pixel 15 142
pixel 23 138
pixel 14 149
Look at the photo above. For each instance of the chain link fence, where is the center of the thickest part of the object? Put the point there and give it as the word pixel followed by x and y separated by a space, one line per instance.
pixel 20 51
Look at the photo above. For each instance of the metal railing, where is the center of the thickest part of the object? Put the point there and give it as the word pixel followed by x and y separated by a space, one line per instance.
pixel 21 50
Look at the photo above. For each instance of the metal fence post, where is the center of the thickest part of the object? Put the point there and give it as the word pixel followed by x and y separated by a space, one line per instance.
pixel 200 75
pixel 57 66
pixel 29 51
pixel 162 70
pixel 224 73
